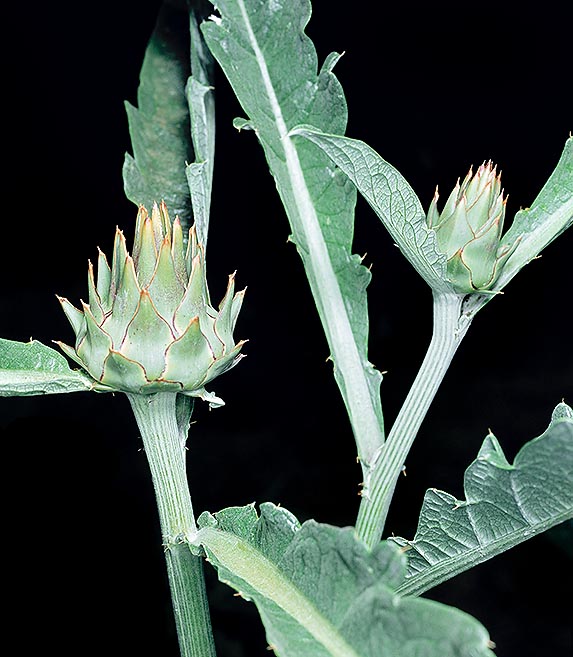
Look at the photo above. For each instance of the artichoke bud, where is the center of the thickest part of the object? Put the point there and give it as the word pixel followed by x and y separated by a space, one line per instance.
pixel 149 325
pixel 468 230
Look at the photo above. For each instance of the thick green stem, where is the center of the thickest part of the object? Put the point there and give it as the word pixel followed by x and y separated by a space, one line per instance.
pixel 379 487
pixel 163 420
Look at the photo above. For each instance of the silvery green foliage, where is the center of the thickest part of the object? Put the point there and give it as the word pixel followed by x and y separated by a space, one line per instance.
pixel 505 504
pixel 273 68
pixel 31 368
pixel 384 188
pixel 321 593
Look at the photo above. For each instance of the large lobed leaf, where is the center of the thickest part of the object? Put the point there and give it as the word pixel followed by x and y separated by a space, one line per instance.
pixel 174 121
pixel 159 127
pixel 505 505
pixel 273 69
pixel 321 593
pixel 31 368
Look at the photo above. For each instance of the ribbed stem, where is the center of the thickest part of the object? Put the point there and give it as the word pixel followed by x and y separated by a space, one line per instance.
pixel 163 420
pixel 447 335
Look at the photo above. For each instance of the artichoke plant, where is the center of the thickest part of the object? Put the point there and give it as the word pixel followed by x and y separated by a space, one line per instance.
pixel 469 228
pixel 149 325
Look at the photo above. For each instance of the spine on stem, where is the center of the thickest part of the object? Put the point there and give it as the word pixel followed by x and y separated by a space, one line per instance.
pixel 164 442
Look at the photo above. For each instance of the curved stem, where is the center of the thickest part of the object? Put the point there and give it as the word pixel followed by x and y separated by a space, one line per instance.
pixel 163 419
pixel 448 333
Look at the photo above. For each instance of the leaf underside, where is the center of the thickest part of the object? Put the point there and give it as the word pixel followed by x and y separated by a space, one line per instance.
pixel 272 67
pixel 391 198
pixel 31 368
pixel 321 593
pixel 505 505
pixel 550 214
pixel 173 128
pixel 159 127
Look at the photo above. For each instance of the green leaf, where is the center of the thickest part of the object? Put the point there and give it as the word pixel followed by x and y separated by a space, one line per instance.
pixel 534 228
pixel 550 215
pixel 31 368
pixel 201 102
pixel 505 505
pixel 321 593
pixel 272 67
pixel 391 198
pixel 160 127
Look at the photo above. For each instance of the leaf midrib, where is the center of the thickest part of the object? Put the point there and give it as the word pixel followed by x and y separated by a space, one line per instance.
pixel 347 359
pixel 446 568
pixel 247 563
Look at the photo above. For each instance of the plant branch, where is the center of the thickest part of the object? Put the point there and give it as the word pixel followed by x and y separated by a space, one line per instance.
pixel 163 420
pixel 448 333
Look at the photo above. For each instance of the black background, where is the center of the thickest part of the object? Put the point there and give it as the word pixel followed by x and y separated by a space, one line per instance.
pixel 433 88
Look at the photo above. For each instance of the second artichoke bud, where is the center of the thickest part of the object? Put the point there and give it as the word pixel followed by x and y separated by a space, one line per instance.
pixel 149 325
pixel 469 228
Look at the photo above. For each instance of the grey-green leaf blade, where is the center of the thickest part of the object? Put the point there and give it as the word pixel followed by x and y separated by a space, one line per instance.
pixel 322 593
pixel 31 368
pixel 159 127
pixel 201 102
pixel 534 228
pixel 272 67
pixel 505 505
pixel 550 214
pixel 390 196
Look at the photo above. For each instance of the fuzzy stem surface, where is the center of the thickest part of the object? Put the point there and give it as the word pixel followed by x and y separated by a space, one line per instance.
pixel 163 421
pixel 448 332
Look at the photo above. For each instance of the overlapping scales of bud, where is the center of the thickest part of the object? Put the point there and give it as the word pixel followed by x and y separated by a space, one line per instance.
pixel 149 325
pixel 469 229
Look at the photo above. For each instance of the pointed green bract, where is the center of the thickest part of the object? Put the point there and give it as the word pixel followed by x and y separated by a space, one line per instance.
pixel 147 338
pixel 103 282
pixel 94 301
pixel 31 368
pixel 124 303
pixel 118 369
pixel 75 317
pixel 189 357
pixel 160 333
pixel 165 287
pixel 469 231
pixel 322 593
pixel 273 69
pixel 94 346
pixel 506 503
